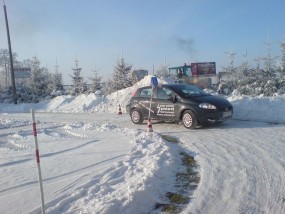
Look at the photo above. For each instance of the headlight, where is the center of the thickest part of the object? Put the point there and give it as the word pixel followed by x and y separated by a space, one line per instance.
pixel 207 106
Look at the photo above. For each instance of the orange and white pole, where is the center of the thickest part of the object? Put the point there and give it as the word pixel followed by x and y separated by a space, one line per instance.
pixel 38 160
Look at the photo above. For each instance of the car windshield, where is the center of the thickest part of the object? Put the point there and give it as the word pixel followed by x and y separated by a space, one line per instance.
pixel 189 90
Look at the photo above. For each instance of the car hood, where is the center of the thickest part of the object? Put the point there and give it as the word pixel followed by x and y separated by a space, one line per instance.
pixel 214 100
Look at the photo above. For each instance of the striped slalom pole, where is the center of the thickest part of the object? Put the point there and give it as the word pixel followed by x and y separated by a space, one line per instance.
pixel 38 160
pixel 149 125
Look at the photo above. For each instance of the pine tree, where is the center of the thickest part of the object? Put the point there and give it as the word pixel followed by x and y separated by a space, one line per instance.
pixel 244 77
pixel 268 81
pixel 269 63
pixel 228 85
pixel 95 81
pixel 108 87
pixel 77 80
pixel 283 55
pixel 56 82
pixel 122 75
pixel 37 83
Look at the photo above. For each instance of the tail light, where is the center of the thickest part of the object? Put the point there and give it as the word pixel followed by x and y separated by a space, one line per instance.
pixel 134 93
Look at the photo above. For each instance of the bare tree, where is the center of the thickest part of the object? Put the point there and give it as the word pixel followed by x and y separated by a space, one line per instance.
pixel 162 71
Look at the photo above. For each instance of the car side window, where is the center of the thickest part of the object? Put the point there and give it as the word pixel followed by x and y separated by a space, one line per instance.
pixel 163 93
pixel 146 92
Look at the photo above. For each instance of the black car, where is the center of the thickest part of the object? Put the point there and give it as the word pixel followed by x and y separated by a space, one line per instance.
pixel 178 102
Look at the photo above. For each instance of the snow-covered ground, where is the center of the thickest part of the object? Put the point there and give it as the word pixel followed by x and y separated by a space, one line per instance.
pixel 96 161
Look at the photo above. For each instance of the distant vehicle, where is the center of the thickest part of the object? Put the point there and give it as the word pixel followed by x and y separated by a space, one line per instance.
pixel 202 74
pixel 179 103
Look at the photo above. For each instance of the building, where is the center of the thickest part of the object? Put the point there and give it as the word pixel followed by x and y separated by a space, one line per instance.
pixel 140 74
pixel 22 75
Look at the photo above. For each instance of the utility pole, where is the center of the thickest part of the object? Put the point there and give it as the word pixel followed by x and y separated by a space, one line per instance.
pixel 11 57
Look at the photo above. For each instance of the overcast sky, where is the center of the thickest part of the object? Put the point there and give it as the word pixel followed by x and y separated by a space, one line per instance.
pixel 146 32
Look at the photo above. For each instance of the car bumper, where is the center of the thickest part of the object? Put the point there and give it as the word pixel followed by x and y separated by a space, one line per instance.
pixel 212 117
pixel 128 106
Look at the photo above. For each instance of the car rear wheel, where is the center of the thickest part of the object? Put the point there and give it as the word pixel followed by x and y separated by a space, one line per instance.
pixel 136 116
pixel 189 120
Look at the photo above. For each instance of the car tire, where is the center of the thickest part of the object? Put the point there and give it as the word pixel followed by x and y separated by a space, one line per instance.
pixel 189 120
pixel 136 116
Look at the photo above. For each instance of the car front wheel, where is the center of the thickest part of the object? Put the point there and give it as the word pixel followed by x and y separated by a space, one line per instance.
pixel 189 120
pixel 136 116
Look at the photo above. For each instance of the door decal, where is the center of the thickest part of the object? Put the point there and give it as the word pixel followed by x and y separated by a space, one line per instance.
pixel 165 109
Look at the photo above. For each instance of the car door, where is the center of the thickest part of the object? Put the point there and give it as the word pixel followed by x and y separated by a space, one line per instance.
pixel 144 101
pixel 163 106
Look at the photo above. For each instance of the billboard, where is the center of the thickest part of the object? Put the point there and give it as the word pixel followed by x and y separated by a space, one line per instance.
pixel 22 72
pixel 203 69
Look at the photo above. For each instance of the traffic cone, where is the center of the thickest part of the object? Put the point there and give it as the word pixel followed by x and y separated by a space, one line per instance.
pixel 149 125
pixel 120 110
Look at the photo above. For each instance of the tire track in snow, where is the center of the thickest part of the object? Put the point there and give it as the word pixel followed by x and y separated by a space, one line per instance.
pixel 71 177
pixel 241 171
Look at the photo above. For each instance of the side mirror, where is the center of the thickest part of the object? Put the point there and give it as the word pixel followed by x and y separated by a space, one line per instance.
pixel 173 98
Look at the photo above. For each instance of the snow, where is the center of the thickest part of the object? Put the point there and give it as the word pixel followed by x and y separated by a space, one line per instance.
pixel 265 109
pixel 96 161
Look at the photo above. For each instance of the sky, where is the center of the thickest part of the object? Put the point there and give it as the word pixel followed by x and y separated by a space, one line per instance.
pixel 146 33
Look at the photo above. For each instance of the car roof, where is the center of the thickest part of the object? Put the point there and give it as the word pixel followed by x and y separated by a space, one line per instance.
pixel 174 84
pixel 169 84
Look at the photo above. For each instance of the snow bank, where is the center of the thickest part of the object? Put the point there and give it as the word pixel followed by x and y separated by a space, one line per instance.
pixel 84 103
pixel 122 97
pixel 265 109
pixel 128 186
